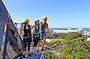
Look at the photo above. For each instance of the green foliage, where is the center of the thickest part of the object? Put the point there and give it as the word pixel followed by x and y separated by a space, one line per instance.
pixel 73 35
pixel 32 44
pixel 48 35
pixel 76 49
pixel 75 46
pixel 49 55
pixel 55 42
pixel 65 35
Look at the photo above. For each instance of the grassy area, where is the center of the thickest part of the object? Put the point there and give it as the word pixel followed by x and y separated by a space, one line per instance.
pixel 49 55
pixel 75 47
pixel 55 42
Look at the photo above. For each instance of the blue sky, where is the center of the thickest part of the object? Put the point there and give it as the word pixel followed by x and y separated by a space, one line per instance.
pixel 60 13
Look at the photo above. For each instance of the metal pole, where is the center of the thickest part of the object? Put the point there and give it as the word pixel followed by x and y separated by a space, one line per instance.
pixel 4 42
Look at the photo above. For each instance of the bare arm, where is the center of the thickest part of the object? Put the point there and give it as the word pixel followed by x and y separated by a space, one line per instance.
pixel 20 32
pixel 31 26
pixel 48 29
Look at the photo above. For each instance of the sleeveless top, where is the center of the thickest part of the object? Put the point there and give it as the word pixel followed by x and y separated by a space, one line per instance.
pixel 27 31
pixel 36 31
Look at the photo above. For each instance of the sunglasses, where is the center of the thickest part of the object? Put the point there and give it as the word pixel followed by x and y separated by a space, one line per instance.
pixel 44 19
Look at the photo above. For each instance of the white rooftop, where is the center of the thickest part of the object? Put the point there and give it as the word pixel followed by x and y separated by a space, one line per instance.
pixel 64 31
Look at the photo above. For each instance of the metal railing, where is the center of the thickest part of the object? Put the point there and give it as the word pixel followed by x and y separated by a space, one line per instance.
pixel 4 44
pixel 9 47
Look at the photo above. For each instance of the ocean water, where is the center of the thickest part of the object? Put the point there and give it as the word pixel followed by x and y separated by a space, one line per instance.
pixel 85 29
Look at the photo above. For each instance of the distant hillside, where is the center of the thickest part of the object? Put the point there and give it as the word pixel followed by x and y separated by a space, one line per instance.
pixel 86 29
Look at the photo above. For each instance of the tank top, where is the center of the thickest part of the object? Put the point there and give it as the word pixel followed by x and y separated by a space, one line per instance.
pixel 27 31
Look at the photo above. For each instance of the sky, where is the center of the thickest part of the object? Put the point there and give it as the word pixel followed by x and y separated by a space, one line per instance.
pixel 60 13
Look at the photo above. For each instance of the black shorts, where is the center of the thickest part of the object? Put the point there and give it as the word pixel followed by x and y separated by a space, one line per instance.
pixel 36 40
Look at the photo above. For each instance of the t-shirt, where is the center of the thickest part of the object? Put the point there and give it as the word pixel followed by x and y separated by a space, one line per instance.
pixel 44 26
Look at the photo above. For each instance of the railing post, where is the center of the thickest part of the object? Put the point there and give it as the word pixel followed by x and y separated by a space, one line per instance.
pixel 4 44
